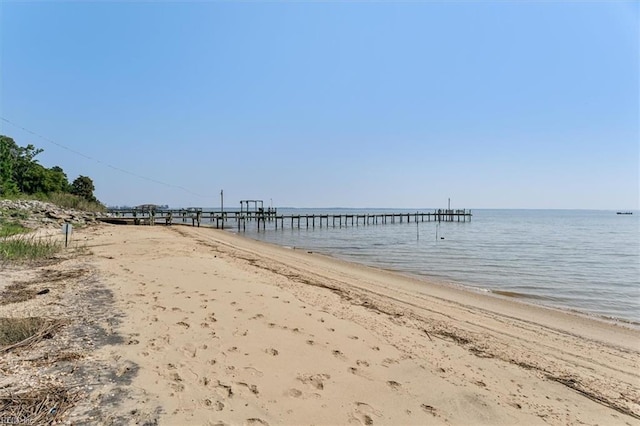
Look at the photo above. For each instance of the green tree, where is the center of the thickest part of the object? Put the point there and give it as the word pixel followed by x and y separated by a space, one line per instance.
pixel 20 173
pixel 56 180
pixel 83 187
pixel 8 155
pixel 31 178
pixel 27 173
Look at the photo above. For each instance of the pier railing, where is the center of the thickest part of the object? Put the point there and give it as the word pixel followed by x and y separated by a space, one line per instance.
pixel 271 218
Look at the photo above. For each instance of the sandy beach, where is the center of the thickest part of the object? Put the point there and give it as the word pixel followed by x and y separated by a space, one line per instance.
pixel 201 326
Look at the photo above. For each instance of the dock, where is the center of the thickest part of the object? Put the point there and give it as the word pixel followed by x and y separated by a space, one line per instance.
pixel 270 218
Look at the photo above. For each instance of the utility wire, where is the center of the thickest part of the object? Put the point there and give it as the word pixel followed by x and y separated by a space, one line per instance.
pixel 101 162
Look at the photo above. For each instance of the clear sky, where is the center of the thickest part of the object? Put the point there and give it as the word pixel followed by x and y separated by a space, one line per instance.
pixel 322 104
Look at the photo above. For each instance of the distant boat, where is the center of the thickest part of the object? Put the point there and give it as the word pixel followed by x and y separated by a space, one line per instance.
pixel 624 213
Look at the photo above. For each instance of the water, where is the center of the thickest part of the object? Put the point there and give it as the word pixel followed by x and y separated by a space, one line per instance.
pixel 581 260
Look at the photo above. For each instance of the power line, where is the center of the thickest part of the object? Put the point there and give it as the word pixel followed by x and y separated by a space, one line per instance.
pixel 119 169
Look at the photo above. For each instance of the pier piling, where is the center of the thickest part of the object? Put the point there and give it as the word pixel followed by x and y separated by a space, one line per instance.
pixel 217 218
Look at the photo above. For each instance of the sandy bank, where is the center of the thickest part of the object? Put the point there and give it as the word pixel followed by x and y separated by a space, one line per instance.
pixel 218 328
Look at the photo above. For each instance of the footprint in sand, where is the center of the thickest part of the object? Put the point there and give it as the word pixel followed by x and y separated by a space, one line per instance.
pixel 294 393
pixel 338 354
pixel 271 351
pixel 394 385
pixel 253 371
pixel 176 382
pixel 256 421
pixel 364 413
pixel 224 389
pixel 189 350
pixel 252 388
pixel 183 324
pixel 362 363
pixel 359 372
pixel 388 361
pixel 428 409
pixel 125 369
pixel 315 380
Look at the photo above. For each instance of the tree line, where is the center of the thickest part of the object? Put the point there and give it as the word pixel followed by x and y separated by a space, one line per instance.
pixel 21 174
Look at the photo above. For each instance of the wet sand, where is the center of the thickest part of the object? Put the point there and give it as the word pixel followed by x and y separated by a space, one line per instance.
pixel 222 329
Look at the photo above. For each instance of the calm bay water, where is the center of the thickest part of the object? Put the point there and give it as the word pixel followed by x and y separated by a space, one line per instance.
pixel 581 260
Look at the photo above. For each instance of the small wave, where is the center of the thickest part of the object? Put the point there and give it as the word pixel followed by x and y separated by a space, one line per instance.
pixel 518 295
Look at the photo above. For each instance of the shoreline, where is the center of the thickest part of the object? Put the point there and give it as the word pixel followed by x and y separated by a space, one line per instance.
pixel 459 292
pixel 209 327
pixel 505 295
pixel 531 298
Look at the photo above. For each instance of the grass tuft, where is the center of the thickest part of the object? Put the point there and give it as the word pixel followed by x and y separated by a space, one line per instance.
pixel 16 330
pixel 8 229
pixel 19 248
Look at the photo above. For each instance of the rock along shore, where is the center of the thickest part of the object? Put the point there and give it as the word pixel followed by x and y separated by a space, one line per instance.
pixel 38 214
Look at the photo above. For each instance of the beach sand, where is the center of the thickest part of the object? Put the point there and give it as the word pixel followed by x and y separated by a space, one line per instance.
pixel 214 328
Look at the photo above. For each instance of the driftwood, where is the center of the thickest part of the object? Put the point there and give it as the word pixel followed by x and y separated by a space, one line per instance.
pixel 44 333
pixel 41 406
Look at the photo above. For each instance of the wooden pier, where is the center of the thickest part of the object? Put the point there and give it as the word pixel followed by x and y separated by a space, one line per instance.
pixel 270 217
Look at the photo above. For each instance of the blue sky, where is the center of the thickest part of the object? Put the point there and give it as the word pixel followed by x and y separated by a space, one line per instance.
pixel 319 104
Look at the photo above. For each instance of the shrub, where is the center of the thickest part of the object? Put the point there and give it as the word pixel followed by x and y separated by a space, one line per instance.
pixel 70 201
